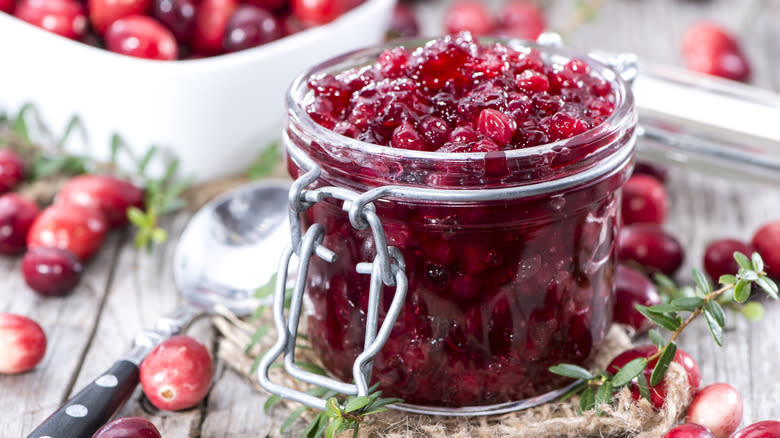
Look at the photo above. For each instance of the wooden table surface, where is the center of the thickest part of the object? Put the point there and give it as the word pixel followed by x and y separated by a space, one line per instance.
pixel 124 290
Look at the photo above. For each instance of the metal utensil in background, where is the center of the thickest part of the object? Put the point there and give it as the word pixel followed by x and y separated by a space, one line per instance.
pixel 229 248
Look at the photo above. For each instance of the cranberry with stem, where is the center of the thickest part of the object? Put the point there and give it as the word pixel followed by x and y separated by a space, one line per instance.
pixel 63 17
pixel 11 170
pixel 644 201
pixel 651 247
pixel 468 15
pixel 719 257
pixel 142 37
pixel 657 392
pixel 689 430
pixel 128 427
pixel 103 13
pixel 632 288
pixel 251 26
pixel 78 229
pixel 16 216
pixel 177 373
pixel 717 407
pixel 22 343
pixel 766 241
pixel 51 271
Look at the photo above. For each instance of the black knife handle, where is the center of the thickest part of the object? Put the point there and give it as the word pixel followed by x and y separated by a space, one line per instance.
pixel 93 406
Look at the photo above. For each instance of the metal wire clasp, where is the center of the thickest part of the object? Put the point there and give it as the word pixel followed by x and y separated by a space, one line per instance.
pixel 387 269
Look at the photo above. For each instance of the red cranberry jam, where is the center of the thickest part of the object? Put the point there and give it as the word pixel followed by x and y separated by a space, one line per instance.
pixel 498 290
pixel 457 95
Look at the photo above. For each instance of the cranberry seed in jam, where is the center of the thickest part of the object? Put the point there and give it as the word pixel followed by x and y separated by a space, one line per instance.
pixel 499 291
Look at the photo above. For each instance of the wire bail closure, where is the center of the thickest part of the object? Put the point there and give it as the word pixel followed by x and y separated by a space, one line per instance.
pixel 387 269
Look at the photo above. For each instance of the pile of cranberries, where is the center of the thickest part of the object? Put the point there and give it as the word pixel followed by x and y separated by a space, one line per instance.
pixel 516 19
pixel 176 29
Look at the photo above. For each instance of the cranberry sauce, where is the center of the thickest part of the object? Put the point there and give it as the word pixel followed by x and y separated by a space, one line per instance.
pixel 498 290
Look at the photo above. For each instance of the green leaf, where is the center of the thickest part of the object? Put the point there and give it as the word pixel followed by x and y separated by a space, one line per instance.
pixel 291 419
pixel 688 303
pixel 576 389
pixel 271 402
pixel 743 261
pixel 665 284
pixel 573 371
pixel 333 427
pixel 717 313
pixel 332 408
pixel 758 262
pixel 316 427
pixel 715 329
pixel 727 279
pixel 753 311
pixel 356 403
pixel 136 216
pixel 74 121
pixel 311 367
pixel 625 375
pixel 143 163
pixel 668 322
pixel 769 286
pixel 587 400
pixel 656 338
pixel 265 163
pixel 644 387
pixel 267 289
pixel 661 309
pixel 659 371
pixel 604 394
pixel 701 281
pixel 748 275
pixel 19 126
pixel 256 336
pixel 742 291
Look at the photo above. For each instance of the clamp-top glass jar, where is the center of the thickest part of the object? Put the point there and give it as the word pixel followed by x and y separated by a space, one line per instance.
pixel 510 262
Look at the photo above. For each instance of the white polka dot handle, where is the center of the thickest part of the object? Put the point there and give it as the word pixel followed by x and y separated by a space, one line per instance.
pixel 84 413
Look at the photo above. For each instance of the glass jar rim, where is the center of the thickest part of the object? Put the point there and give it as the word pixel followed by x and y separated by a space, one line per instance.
pixel 298 91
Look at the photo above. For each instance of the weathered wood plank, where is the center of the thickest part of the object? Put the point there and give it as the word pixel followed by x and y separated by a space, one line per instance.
pixel 28 399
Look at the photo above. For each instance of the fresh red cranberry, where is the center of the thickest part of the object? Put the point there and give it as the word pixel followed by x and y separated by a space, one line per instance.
pixel 719 257
pixel 689 430
pixel 651 247
pixel 211 21
pixel 644 201
pixel 16 216
pixel 270 5
pixel 103 13
pixel 316 12
pixel 632 288
pixel 7 6
pixel 177 373
pixel 717 407
pixel 522 19
pixel 657 392
pixel 251 26
pixel 711 49
pixel 51 271
pixel 468 15
pixel 128 427
pixel 655 170
pixel 178 16
pixel 78 229
pixel 111 195
pixel 22 343
pixel 767 242
pixel 63 17
pixel 762 429
pixel 403 23
pixel 11 170
pixel 142 37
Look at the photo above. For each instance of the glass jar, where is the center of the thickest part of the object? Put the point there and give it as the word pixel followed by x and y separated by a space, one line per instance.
pixel 500 288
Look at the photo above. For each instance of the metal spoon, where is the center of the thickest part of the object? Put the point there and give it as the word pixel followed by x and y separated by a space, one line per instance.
pixel 228 249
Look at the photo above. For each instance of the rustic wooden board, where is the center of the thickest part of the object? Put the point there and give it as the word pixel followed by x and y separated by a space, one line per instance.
pixel 124 290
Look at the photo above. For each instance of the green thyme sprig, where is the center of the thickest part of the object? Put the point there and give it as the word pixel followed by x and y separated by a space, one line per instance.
pixel 598 388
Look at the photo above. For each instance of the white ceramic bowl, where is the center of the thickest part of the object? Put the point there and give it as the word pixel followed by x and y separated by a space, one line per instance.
pixel 213 113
